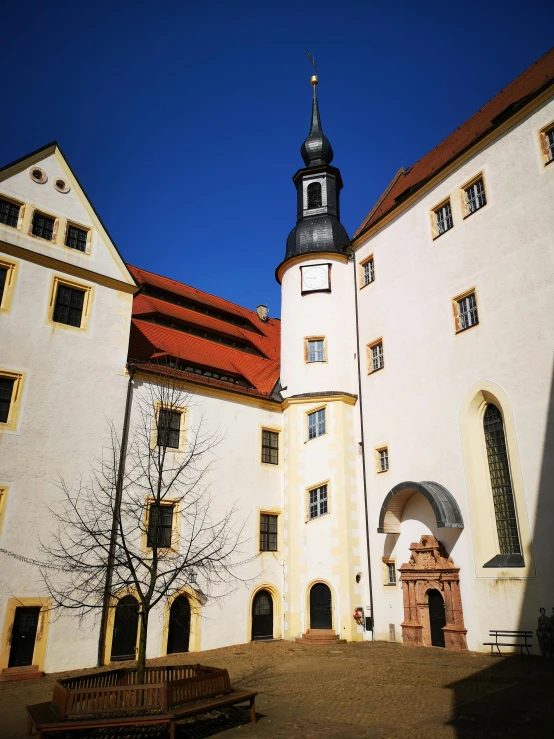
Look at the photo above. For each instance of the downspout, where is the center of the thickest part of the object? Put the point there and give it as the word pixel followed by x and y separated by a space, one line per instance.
pixel 353 258
pixel 117 507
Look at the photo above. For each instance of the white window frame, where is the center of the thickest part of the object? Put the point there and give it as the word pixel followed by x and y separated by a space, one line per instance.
pixel 318 501
pixel 315 350
pixel 319 426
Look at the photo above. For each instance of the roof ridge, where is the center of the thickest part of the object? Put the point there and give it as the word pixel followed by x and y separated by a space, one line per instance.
pixel 491 100
pixel 204 292
pixel 531 82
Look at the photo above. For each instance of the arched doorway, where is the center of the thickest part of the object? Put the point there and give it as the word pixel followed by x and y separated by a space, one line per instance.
pixel 262 615
pixel 321 607
pixel 178 634
pixel 125 628
pixel 433 614
pixel 437 618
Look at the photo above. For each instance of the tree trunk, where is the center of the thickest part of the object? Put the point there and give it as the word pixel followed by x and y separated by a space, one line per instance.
pixel 141 657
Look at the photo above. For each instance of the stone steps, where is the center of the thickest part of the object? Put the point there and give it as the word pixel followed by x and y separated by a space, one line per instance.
pixel 20 673
pixel 321 636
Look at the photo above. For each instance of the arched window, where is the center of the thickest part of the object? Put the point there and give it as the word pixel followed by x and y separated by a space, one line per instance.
pixel 502 492
pixel 314 195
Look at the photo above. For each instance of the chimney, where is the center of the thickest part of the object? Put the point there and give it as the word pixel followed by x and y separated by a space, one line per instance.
pixel 262 311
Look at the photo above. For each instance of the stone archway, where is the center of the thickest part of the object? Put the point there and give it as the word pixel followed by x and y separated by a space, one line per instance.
pixel 431 568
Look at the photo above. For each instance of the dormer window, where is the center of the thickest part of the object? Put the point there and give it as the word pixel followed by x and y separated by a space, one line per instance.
pixel 314 195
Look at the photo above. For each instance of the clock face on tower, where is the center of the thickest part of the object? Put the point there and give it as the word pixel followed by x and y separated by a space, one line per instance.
pixel 315 277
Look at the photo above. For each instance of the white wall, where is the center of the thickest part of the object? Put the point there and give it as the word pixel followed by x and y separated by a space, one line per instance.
pixel 328 314
pixel 505 251
pixel 237 478
pixel 74 382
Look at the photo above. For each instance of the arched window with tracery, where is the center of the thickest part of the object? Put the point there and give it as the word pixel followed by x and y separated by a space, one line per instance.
pixel 501 481
pixel 314 195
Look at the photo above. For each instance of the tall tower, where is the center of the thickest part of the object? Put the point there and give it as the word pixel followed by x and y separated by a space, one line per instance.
pixel 316 277
pixel 319 379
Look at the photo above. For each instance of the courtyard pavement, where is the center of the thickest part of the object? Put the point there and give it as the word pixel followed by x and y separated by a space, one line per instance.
pixel 357 691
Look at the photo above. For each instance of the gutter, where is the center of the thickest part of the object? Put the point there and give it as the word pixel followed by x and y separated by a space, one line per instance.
pixel 117 507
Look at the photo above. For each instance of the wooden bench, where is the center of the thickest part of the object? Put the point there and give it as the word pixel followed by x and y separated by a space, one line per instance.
pixel 515 636
pixel 44 718
pixel 114 699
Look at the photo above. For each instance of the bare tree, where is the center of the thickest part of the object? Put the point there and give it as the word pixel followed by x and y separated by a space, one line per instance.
pixel 144 522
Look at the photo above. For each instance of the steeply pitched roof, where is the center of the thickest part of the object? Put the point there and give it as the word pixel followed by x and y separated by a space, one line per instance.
pixel 204 333
pixel 45 151
pixel 511 99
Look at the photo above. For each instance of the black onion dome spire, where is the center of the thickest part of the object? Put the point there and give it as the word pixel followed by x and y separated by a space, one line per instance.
pixel 318 228
pixel 316 149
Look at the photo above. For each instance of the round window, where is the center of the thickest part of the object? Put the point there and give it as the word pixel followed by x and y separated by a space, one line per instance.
pixel 61 185
pixel 38 175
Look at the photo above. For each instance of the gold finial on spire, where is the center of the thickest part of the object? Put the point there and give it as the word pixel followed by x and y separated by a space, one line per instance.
pixel 314 79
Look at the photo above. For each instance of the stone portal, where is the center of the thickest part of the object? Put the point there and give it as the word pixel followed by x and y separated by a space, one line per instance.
pixel 431 569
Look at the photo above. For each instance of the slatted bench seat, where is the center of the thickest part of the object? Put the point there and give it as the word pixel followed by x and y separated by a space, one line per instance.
pixel 44 718
pixel 518 639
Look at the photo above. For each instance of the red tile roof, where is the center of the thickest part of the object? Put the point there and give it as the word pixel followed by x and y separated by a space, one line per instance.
pixel 150 342
pixel 500 108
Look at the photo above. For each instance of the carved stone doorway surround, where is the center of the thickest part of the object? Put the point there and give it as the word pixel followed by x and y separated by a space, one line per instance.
pixel 431 568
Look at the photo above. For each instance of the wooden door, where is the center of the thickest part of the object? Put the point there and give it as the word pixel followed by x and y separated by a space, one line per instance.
pixel 437 618
pixel 262 615
pixel 125 629
pixel 24 632
pixel 321 615
pixel 179 626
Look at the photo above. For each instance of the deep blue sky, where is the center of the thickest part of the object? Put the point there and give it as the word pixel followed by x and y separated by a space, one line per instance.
pixel 183 120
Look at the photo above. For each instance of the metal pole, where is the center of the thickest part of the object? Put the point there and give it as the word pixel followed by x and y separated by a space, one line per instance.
pixel 116 511
pixel 352 256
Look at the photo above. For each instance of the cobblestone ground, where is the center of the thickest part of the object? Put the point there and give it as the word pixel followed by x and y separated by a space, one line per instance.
pixel 358 691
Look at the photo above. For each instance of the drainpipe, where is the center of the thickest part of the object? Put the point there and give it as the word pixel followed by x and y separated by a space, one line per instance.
pixel 353 258
pixel 117 507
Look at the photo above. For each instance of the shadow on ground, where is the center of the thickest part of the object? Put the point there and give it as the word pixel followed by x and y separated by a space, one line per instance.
pixel 511 698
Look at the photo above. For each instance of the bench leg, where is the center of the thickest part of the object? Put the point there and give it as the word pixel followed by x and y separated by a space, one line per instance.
pixel 253 710
pixel 172 730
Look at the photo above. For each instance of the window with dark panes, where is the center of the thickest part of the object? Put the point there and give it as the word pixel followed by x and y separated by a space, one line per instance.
pixel 270 447
pixel 268 532
pixel 43 226
pixel 76 238
pixel 391 573
pixel 369 271
pixel 160 525
pixel 9 213
pixel 501 481
pixel 3 278
pixel 69 305
pixel 475 196
pixel 443 218
pixel 314 195
pixel 467 312
pixel 169 428
pixel 550 144
pixel 6 392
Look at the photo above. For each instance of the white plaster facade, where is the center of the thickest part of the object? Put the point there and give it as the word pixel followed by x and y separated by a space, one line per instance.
pixel 417 405
pixel 73 380
pixel 423 406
